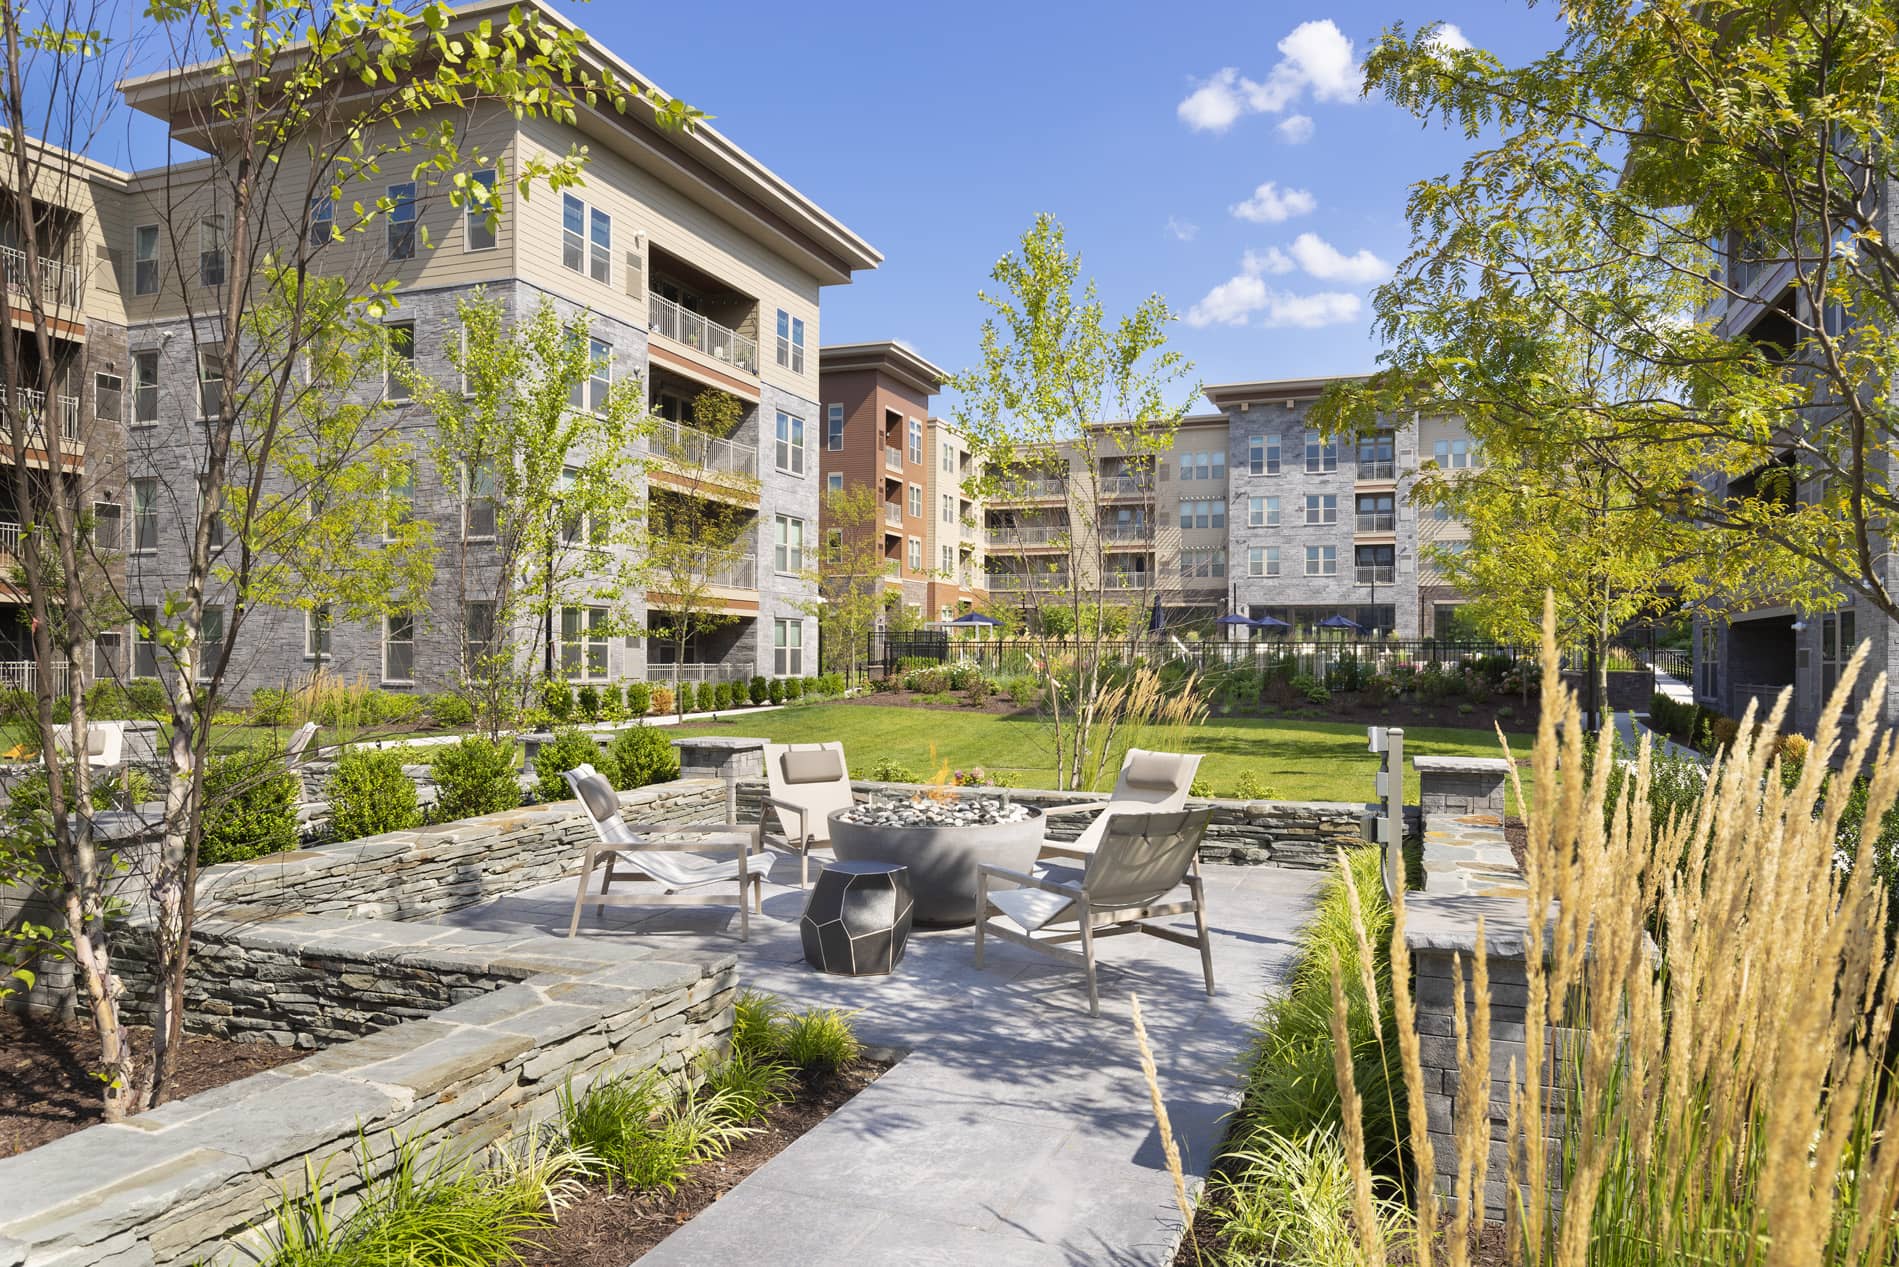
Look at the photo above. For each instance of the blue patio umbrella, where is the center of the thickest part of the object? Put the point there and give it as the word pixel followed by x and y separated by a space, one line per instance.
pixel 1269 622
pixel 1158 621
pixel 1338 622
pixel 973 620
pixel 1234 620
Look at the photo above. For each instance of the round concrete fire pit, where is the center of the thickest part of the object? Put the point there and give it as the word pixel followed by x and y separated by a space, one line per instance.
pixel 942 855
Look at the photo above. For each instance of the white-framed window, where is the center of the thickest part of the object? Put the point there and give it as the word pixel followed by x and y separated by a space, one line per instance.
pixel 322 220
pixel 1203 564
pixel 948 462
pixel 949 508
pixel 788 446
pixel 478 631
pixel 398 648
pixel 834 428
pixel 478 501
pixel 145 259
pixel 1322 561
pixel 788 544
pixel 401 226
pixel 108 526
pixel 790 348
pixel 144 388
pixel 108 398
pixel 573 233
pixel 1203 465
pixel 1262 512
pixel 316 632
pixel 478 228
pixel 107 648
pixel 1322 508
pixel 1322 455
pixel 949 560
pixel 916 441
pixel 400 348
pixel 1441 513
pixel 916 501
pixel 583 641
pixel 915 554
pixel 787 648
pixel 400 505
pixel 834 545
pixel 211 251
pixel 145 642
pixel 210 383
pixel 600 246
pixel 1262 561
pixel 834 482
pixel 1263 454
pixel 573 524
pixel 1203 512
pixel 599 375
pixel 1453 455
pixel 144 515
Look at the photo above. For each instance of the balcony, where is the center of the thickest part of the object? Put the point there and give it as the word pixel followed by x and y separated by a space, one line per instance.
pixel 702 334
pixel 33 404
pixel 1018 583
pixel 1377 470
pixel 17 675
pixel 740 574
pixel 1126 486
pixel 1378 521
pixel 1037 488
pixel 59 283
pixel 893 458
pixel 10 534
pixel 893 514
pixel 1127 532
pixel 1377 574
pixel 1030 535
pixel 691 447
pixel 692 671
pixel 1127 581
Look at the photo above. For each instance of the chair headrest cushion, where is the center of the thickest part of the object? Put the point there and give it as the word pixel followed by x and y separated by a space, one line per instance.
pixel 595 792
pixel 1157 770
pixel 813 765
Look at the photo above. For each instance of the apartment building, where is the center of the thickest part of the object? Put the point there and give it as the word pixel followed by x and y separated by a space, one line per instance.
pixel 956 541
pixel 1247 510
pixel 76 428
pixel 697 268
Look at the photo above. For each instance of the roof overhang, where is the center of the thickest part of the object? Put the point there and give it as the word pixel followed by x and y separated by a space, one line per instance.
pixel 1226 396
pixel 886 356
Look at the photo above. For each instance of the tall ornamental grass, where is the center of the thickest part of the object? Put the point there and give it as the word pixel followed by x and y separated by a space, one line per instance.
pixel 1727 1099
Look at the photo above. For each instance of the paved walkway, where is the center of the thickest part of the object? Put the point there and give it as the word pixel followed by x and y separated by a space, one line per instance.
pixel 1018 1129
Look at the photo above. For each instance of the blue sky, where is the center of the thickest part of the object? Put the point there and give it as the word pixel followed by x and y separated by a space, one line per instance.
pixel 938 131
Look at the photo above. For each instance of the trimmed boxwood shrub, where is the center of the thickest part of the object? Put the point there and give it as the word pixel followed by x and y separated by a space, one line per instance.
pixel 640 756
pixel 589 697
pixel 270 706
pixel 557 697
pixel 369 794
pixel 777 690
pixel 567 749
pixel 794 688
pixel 639 699
pixel 250 799
pixel 760 691
pixel 450 709
pixel 688 698
pixel 475 777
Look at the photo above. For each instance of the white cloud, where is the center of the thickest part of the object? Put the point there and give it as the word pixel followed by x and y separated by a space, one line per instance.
pixel 1326 262
pixel 1295 129
pixel 1315 59
pixel 1230 303
pixel 1449 35
pixel 1270 204
pixel 1270 260
pixel 1309 312
pixel 1181 230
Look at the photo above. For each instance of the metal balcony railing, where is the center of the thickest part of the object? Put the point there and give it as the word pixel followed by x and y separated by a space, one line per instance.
pixel 741 574
pixel 1378 521
pixel 1032 489
pixel 1019 583
pixel 33 403
pixel 1126 485
pixel 18 675
pixel 690 446
pixel 1377 574
pixel 664 317
pixel 59 283
pixel 10 534
pixel 1375 470
pixel 690 671
pixel 1127 532
pixel 893 458
pixel 893 514
pixel 1030 535
pixel 1127 580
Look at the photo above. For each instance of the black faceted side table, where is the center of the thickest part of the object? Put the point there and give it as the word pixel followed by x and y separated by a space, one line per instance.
pixel 857 920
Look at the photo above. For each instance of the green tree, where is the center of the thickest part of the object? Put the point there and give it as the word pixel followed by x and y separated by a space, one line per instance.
pixel 545 453
pixel 850 576
pixel 1055 367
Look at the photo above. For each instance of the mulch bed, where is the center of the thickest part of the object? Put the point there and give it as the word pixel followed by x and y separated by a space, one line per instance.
pixel 47 1088
pixel 611 1227
pixel 999 704
pixel 1516 833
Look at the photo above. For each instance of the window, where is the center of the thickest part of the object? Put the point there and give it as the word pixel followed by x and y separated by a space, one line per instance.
pixel 1203 513
pixel 916 501
pixel 600 244
pixel 1375 565
pixel 478 632
pixel 478 223
pixel 400 483
pixel 144 515
pixel 834 482
pixel 1377 456
pixel 1262 561
pixel 592 394
pixel 1322 561
pixel 106 650
pixel 788 449
pixel 145 642
pixel 1203 465
pixel 1377 512
pixel 1322 508
pixel 1452 548
pixel 791 342
pixel 1262 455
pixel 1838 638
pixel 210 640
pixel 108 398
pixel 949 560
pixel 787 648
pixel 402 221
pixel 1322 455
pixel 1203 564
pixel 834 428
pixel 949 460
pixel 478 501
pixel 211 251
pixel 210 384
pixel 322 220
pixel 788 546
pixel 398 648
pixel 108 525
pixel 145 260
pixel 1452 455
pixel 1441 513
pixel 949 508
pixel 401 348
pixel 1262 512
pixel 316 632
pixel 583 642
pixel 834 545
pixel 916 441
pixel 916 554
pixel 573 233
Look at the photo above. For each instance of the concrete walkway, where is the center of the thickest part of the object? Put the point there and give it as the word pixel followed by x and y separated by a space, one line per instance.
pixel 1018 1129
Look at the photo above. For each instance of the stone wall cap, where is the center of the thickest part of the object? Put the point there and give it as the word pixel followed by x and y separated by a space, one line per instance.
pixel 1448 922
pixel 1460 765
pixel 729 743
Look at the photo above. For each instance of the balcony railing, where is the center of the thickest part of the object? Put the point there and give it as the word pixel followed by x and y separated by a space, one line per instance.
pixel 1031 489
pixel 691 671
pixel 690 446
pixel 741 574
pixel 893 514
pixel 1030 535
pixel 1377 470
pixel 33 404
pixel 702 334
pixel 1020 583
pixel 1127 580
pixel 18 675
pixel 10 534
pixel 1378 521
pixel 59 283
pixel 1377 574
pixel 1126 486
pixel 893 458
pixel 1127 532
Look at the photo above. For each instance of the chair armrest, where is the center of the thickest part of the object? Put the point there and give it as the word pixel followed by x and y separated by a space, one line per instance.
pixel 1074 809
pixel 1025 881
pixel 772 802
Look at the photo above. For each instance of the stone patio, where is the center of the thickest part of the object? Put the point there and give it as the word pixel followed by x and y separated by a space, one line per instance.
pixel 1016 1129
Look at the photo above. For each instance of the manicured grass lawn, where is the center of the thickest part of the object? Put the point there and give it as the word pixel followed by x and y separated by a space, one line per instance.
pixel 1296 760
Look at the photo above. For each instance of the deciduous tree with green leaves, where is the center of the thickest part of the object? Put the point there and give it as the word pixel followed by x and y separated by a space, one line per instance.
pixel 850 575
pixel 1069 394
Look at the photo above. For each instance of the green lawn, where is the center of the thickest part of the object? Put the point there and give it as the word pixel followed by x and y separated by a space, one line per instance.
pixel 1297 760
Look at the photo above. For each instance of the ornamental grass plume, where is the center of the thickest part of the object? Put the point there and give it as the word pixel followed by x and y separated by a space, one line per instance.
pixel 1170 1150
pixel 1710 1012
